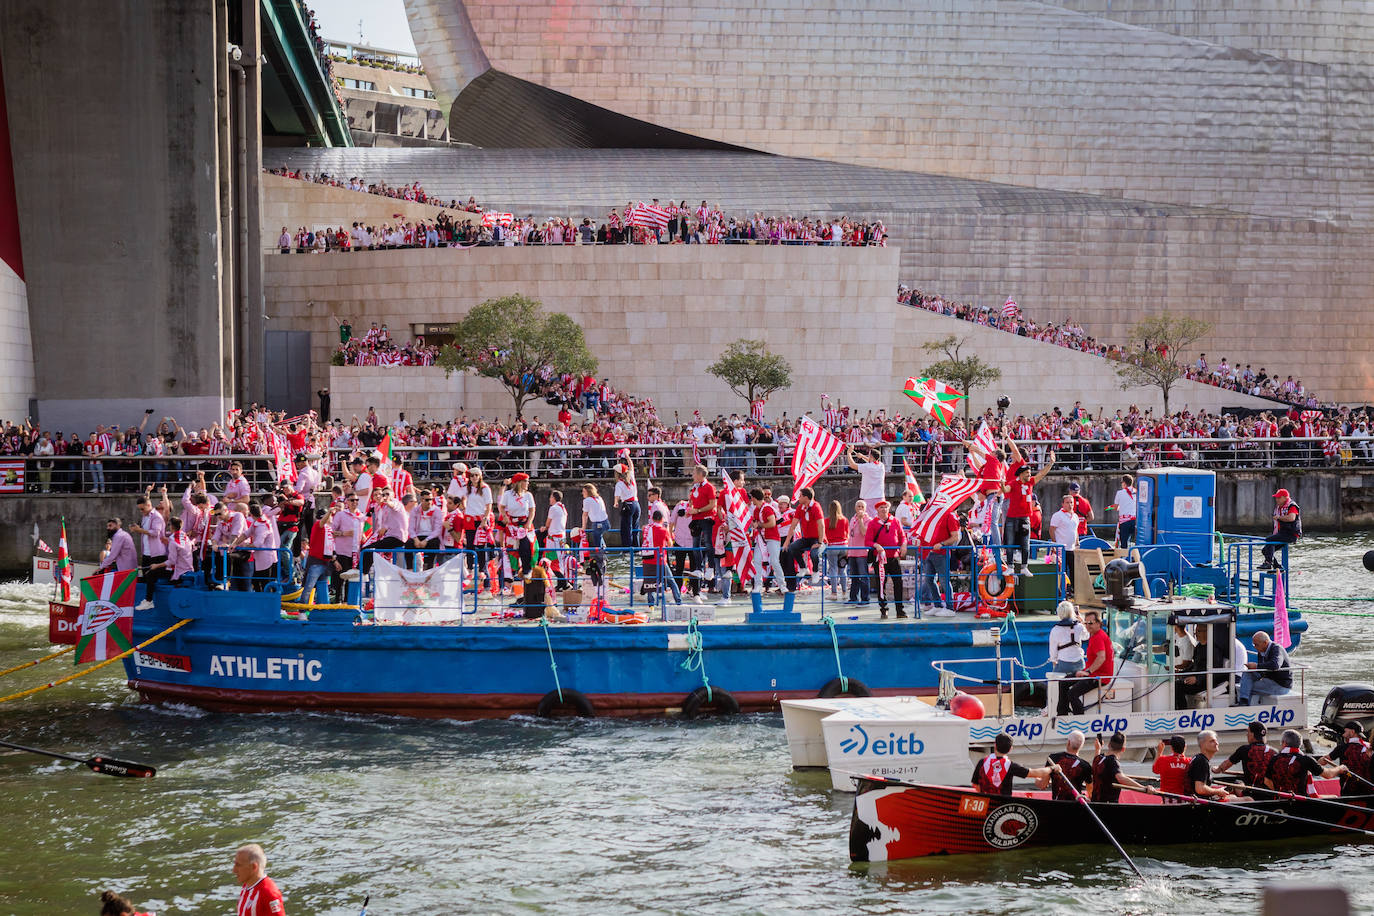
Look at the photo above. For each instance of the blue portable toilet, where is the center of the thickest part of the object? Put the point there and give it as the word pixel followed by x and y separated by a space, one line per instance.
pixel 1178 506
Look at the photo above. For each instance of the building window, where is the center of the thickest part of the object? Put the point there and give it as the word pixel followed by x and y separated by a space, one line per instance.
pixel 415 93
pixel 349 83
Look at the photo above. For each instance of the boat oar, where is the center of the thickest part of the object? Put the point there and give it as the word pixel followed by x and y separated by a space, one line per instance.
pixel 1312 798
pixel 1269 812
pixel 1078 797
pixel 366 901
pixel 106 765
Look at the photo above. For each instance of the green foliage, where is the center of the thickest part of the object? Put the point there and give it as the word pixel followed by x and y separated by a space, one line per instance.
pixel 751 370
pixel 1156 343
pixel 964 373
pixel 512 337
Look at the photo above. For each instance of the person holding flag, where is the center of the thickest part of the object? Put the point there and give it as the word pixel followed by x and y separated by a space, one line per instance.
pixel 62 569
pixel 1016 533
pixel 872 476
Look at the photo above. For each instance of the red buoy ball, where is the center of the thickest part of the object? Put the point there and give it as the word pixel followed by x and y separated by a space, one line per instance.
pixel 966 706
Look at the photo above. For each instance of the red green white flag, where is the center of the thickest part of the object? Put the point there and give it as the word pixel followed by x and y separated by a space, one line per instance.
pixel 936 398
pixel 107 616
pixel 913 486
pixel 62 569
pixel 383 453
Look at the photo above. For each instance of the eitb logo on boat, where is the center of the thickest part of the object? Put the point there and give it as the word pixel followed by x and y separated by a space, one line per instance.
pixel 1009 825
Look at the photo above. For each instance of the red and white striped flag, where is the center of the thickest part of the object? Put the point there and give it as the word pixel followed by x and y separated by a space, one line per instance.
pixel 281 455
pixel 490 219
pixel 756 410
pixel 1311 416
pixel 1010 309
pixel 648 216
pixel 816 449
pixel 913 486
pixel 980 447
pixel 952 491
pixel 737 524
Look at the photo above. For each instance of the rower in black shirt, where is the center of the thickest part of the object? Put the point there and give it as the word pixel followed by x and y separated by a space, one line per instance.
pixel 1200 770
pixel 993 774
pixel 1071 769
pixel 1353 752
pixel 1293 771
pixel 1253 757
pixel 1107 776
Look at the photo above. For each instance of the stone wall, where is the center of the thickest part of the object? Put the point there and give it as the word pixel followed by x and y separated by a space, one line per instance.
pixel 292 203
pixel 657 316
pixel 16 347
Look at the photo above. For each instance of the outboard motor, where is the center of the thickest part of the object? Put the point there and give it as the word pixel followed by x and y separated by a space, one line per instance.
pixel 1346 703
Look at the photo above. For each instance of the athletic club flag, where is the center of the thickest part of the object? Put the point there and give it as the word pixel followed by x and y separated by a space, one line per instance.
pixel 936 398
pixel 62 569
pixel 980 447
pixel 648 216
pixel 756 410
pixel 43 546
pixel 107 616
pixel 1010 309
pixel 737 524
pixel 816 449
pixel 952 491
pixel 491 219
pixel 913 486
pixel 281 454
pixel 1281 634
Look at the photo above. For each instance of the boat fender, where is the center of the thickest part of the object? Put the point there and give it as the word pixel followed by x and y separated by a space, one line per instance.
pixel 581 706
pixel 834 688
pixel 721 702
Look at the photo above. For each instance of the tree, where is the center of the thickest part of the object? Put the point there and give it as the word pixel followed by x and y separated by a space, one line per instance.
pixel 964 373
pixel 1151 358
pixel 751 370
pixel 512 339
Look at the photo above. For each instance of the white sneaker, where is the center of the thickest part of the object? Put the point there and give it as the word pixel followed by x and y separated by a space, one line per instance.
pixel 697 599
pixel 695 573
pixel 724 602
pixel 1025 571
pixel 144 605
pixel 942 612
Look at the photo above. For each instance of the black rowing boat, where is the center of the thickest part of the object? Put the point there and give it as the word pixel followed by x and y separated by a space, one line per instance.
pixel 899 820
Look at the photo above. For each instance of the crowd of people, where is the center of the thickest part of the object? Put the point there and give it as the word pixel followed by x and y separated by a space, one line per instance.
pixel 637 223
pixel 594 419
pixel 1071 335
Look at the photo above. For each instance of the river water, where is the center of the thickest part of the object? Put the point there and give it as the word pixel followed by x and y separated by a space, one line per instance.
pixel 559 817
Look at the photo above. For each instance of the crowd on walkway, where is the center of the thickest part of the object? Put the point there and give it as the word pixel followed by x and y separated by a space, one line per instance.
pixel 1070 335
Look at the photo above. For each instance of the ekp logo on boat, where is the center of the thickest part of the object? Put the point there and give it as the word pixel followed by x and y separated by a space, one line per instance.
pixel 1275 716
pixel 1196 720
pixel 1023 729
pixel 1105 724
pixel 892 745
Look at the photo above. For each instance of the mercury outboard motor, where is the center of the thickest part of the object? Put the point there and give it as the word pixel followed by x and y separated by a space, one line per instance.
pixel 1346 703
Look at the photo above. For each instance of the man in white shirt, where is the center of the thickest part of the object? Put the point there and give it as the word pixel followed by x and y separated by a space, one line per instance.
pixel 153 542
pixel 1123 504
pixel 1064 531
pixel 871 477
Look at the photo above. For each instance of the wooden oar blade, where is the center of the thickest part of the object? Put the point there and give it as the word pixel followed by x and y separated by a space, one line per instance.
pixel 112 767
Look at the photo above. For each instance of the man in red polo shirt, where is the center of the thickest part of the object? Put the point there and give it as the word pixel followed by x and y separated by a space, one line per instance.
pixel 1097 666
pixel 1016 532
pixel 701 509
pixel 806 531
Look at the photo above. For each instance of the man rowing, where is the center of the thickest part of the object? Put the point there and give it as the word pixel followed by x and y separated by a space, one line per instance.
pixel 1293 771
pixel 993 774
pixel 1070 771
pixel 1253 756
pixel 1353 752
pixel 1108 779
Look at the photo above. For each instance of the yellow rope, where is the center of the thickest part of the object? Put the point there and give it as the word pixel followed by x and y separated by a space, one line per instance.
pixel 109 661
pixel 297 606
pixel 36 661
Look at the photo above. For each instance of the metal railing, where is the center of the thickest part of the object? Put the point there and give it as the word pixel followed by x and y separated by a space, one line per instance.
pixel 134 473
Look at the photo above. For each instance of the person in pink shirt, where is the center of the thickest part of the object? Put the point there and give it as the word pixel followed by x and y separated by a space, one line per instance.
pixel 886 543
pixel 265 540
pixel 858 554
pixel 230 532
pixel 391 522
pixel 236 490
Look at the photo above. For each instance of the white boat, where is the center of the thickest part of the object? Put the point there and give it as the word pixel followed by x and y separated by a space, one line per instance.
pixel 915 738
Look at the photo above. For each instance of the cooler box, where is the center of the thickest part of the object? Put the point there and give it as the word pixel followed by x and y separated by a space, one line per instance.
pixel 1178 506
pixel 1037 592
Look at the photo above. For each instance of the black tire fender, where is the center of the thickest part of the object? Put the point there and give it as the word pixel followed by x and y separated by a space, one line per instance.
pixel 721 702
pixel 550 703
pixel 834 688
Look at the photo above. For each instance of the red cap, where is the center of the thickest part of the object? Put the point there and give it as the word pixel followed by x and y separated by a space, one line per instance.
pixel 516 478
pixel 882 502
pixel 1281 494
